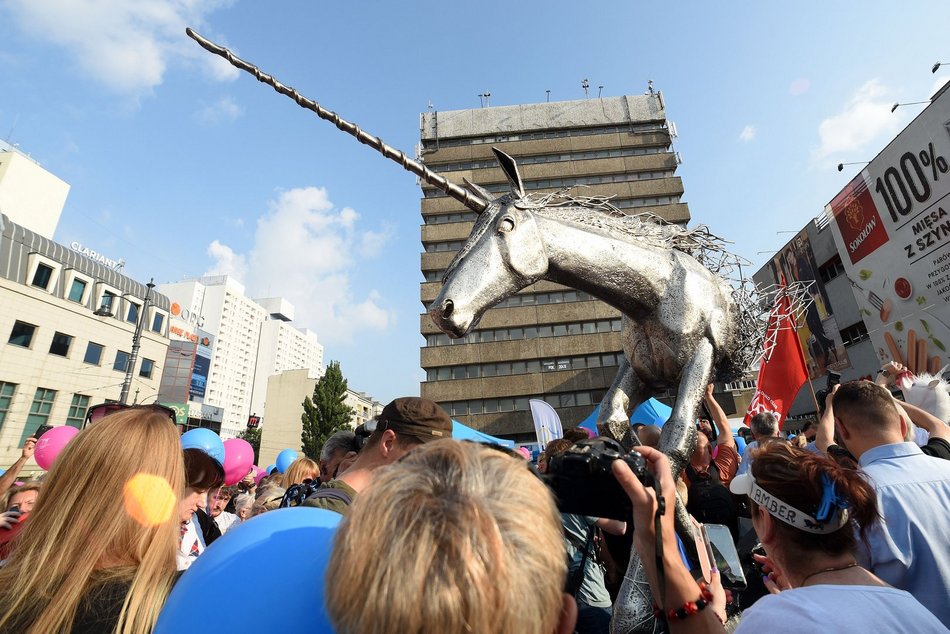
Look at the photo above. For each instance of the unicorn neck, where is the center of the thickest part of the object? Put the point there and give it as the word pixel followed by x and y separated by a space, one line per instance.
pixel 617 269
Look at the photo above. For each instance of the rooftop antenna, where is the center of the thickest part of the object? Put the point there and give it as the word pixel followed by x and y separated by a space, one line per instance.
pixel 487 96
pixel 548 92
pixel 430 106
pixel 468 198
pixel 585 85
pixel 600 89
pixel 16 120
pixel 650 86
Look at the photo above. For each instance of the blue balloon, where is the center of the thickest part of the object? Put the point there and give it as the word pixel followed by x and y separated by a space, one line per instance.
pixel 740 444
pixel 2 471
pixel 284 459
pixel 205 440
pixel 270 468
pixel 291 545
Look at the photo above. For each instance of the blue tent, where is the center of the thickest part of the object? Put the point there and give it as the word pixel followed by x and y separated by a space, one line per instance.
pixel 461 432
pixel 649 412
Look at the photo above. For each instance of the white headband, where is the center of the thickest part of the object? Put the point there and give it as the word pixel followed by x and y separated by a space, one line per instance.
pixel 745 485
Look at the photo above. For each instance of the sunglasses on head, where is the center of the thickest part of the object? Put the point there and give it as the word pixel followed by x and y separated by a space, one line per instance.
pixel 97 412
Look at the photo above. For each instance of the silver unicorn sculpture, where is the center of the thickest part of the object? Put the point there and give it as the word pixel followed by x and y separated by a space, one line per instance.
pixel 683 323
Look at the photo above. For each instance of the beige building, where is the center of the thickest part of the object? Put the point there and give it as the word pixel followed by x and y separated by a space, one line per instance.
pixel 282 424
pixel 67 324
pixel 29 195
pixel 548 341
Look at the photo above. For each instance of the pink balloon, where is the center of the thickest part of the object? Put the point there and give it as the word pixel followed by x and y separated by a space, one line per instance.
pixel 51 443
pixel 238 458
pixel 259 475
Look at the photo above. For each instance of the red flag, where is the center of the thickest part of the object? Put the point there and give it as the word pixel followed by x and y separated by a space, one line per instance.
pixel 783 370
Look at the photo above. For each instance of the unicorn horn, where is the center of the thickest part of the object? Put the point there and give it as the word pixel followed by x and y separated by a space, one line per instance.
pixel 467 198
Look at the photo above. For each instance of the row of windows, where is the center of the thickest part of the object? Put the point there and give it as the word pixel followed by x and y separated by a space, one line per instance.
pixel 570 181
pixel 527 332
pixel 40 408
pixel 831 269
pixel 23 334
pixel 43 277
pixel 520 404
pixel 440 247
pixel 506 368
pixel 432 144
pixel 633 203
pixel 444 219
pixel 553 158
pixel 535 299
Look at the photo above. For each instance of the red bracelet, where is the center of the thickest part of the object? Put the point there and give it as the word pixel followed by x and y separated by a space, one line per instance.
pixel 689 608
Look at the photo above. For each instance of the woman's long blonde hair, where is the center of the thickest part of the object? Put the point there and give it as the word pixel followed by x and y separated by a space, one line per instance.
pixel 108 512
pixel 298 471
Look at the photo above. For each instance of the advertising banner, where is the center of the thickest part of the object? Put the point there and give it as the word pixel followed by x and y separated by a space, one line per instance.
pixel 181 412
pixel 892 229
pixel 202 367
pixel 819 334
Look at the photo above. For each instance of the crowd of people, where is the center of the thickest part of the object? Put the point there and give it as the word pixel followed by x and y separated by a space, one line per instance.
pixel 847 526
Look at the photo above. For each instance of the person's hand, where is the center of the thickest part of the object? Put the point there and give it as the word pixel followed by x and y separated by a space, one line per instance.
pixel 709 390
pixel 829 400
pixel 248 480
pixel 644 498
pixel 28 448
pixel 9 519
pixel 721 596
pixel 774 579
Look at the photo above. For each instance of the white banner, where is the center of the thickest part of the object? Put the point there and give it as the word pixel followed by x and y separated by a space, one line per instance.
pixel 547 424
pixel 892 229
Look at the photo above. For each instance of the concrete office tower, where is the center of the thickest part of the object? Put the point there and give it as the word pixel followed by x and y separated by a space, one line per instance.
pixel 283 347
pixel 218 305
pixel 548 341
pixel 29 195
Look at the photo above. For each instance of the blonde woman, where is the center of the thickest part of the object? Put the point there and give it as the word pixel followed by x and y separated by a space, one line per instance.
pixel 300 469
pixel 98 554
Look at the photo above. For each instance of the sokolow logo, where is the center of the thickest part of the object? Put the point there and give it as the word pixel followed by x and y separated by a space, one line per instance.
pixel 860 224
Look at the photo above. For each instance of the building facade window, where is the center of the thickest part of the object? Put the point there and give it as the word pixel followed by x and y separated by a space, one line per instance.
pixel 39 412
pixel 77 290
pixel 42 276
pixel 108 301
pixel 854 333
pixel 158 322
pixel 77 411
pixel 133 315
pixel 7 391
pixel 60 344
pixel 831 269
pixel 527 332
pixel 145 370
pixel 22 334
pixel 506 368
pixel 584 398
pixel 93 354
pixel 121 361
pixel 554 158
pixel 629 128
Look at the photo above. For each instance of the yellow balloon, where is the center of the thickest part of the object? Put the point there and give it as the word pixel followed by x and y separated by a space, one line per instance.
pixel 149 499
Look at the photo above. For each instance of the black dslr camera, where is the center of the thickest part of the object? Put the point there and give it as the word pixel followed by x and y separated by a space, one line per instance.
pixel 584 484
pixel 834 378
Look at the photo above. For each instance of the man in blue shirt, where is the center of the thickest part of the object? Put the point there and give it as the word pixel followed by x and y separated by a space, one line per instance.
pixel 908 548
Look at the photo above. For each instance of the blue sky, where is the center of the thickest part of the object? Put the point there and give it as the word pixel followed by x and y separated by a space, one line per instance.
pixel 182 166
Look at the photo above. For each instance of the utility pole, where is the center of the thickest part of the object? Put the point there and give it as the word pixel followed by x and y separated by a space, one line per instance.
pixel 136 344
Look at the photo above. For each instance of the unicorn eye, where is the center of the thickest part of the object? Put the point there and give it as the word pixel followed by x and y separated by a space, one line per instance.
pixel 506 225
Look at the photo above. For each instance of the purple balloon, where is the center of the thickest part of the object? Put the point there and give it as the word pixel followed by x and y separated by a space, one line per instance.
pixel 51 443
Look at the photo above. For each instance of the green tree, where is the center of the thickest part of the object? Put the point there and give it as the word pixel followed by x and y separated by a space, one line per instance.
pixel 325 413
pixel 253 437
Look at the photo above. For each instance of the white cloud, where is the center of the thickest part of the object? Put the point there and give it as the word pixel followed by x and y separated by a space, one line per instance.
pixel 224 110
pixel 866 117
pixel 305 249
pixel 938 84
pixel 800 86
pixel 124 45
pixel 748 133
pixel 226 261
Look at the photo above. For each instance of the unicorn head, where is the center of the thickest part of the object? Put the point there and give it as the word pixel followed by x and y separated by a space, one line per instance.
pixel 929 392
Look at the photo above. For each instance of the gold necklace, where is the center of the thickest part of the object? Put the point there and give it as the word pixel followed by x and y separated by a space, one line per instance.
pixel 823 570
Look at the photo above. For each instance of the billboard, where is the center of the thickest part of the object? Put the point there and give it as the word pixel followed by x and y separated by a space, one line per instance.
pixel 819 335
pixel 892 229
pixel 202 367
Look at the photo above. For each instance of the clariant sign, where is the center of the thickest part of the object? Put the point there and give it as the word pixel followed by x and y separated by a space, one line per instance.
pixel 97 257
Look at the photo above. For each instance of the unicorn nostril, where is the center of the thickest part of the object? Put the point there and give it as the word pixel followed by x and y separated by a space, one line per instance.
pixel 447 308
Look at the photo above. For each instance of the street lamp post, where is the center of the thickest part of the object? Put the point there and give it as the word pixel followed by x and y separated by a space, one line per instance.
pixel 136 344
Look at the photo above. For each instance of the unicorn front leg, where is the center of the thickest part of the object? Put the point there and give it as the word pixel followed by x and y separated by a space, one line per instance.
pixel 626 392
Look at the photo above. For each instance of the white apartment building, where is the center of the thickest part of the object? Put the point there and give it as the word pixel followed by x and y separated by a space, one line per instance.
pixel 253 341
pixel 283 347
pixel 29 195
pixel 66 327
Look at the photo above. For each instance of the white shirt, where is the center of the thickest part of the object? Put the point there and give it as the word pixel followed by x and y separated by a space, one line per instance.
pixel 226 520
pixel 834 608
pixel 192 545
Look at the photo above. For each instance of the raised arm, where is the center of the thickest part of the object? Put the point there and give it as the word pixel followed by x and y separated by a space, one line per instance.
pixel 614 527
pixel 926 421
pixel 8 478
pixel 719 419
pixel 825 435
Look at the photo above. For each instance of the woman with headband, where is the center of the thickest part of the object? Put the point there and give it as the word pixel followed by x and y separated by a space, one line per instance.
pixel 810 515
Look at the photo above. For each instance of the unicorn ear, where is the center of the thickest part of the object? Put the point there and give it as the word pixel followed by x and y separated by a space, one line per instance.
pixel 933 384
pixel 478 190
pixel 510 168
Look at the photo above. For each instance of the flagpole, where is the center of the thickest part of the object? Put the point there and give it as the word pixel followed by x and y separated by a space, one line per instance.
pixel 811 388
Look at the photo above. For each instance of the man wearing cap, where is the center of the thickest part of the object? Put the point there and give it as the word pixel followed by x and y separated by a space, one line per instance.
pixel 403 424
